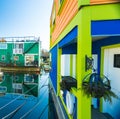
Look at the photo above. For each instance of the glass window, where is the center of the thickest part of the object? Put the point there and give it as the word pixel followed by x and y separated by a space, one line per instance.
pixel 29 59
pixel 53 15
pixel 3 46
pixel 61 1
pixel 16 58
pixel 117 60
pixel 17 87
pixel 19 46
pixel 3 89
pixel 28 78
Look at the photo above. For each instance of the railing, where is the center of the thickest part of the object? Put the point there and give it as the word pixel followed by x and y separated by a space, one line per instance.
pixel 19 39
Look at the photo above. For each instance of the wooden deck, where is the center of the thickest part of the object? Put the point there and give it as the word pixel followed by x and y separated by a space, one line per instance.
pixel 20 69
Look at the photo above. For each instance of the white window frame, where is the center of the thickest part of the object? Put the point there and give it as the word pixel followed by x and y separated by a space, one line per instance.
pixel 18 50
pixel 17 87
pixel 27 56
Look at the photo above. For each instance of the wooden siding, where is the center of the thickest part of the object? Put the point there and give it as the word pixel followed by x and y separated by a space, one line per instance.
pixel 63 17
pixel 103 1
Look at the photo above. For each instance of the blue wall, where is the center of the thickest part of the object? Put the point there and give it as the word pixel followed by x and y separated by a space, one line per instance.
pixel 109 28
pixel 105 27
pixel 69 38
pixel 53 73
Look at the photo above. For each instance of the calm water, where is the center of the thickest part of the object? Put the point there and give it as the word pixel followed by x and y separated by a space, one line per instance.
pixel 13 106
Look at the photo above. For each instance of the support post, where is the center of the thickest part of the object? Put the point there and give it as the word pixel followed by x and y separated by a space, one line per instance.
pixel 59 52
pixel 83 49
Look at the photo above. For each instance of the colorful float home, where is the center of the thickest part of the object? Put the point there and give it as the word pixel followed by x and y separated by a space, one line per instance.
pixel 80 29
pixel 19 65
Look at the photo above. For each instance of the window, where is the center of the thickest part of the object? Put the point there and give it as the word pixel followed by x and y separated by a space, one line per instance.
pixel 53 15
pixel 29 60
pixel 61 1
pixel 17 87
pixel 117 60
pixel 15 78
pixel 18 48
pixel 28 78
pixel 61 4
pixel 3 46
pixel 3 89
pixel 16 58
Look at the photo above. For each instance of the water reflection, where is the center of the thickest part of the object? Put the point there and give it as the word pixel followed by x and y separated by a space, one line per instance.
pixel 1 77
pixel 26 96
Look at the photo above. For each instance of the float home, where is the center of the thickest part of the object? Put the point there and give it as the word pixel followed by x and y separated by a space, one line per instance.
pixel 84 34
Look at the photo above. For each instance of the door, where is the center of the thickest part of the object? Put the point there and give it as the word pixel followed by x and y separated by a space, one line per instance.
pixel 112 71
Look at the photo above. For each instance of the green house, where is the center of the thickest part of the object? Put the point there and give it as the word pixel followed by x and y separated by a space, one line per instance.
pixel 20 65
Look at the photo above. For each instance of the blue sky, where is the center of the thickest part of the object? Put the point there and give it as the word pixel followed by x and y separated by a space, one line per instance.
pixel 26 18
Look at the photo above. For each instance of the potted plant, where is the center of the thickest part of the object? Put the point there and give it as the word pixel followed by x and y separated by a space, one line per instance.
pixel 98 86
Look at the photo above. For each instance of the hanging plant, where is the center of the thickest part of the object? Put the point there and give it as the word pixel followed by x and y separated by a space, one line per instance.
pixel 98 86
pixel 67 83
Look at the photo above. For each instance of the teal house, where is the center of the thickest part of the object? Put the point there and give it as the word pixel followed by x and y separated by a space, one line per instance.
pixel 19 65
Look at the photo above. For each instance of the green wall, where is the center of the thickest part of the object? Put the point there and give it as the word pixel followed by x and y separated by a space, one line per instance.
pixel 29 48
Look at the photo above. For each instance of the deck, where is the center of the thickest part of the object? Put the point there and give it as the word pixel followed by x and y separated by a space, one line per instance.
pixel 20 69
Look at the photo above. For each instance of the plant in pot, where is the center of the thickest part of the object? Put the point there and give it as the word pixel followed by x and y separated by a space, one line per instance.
pixel 98 86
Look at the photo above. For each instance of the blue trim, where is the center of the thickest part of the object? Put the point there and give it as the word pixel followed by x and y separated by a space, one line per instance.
pixel 69 38
pixel 70 49
pixel 75 109
pixel 53 73
pixel 105 28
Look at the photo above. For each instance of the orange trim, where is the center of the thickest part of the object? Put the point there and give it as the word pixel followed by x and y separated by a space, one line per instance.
pixel 103 1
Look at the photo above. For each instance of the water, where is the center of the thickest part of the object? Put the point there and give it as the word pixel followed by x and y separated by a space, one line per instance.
pixel 14 106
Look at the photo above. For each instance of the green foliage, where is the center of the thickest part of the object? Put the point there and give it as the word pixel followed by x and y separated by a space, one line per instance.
pixel 98 86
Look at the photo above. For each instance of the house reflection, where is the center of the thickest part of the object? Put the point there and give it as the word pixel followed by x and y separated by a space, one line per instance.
pixel 20 84
pixel 19 65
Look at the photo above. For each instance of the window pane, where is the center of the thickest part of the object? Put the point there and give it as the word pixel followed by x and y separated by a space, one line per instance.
pixel 117 60
pixel 3 46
